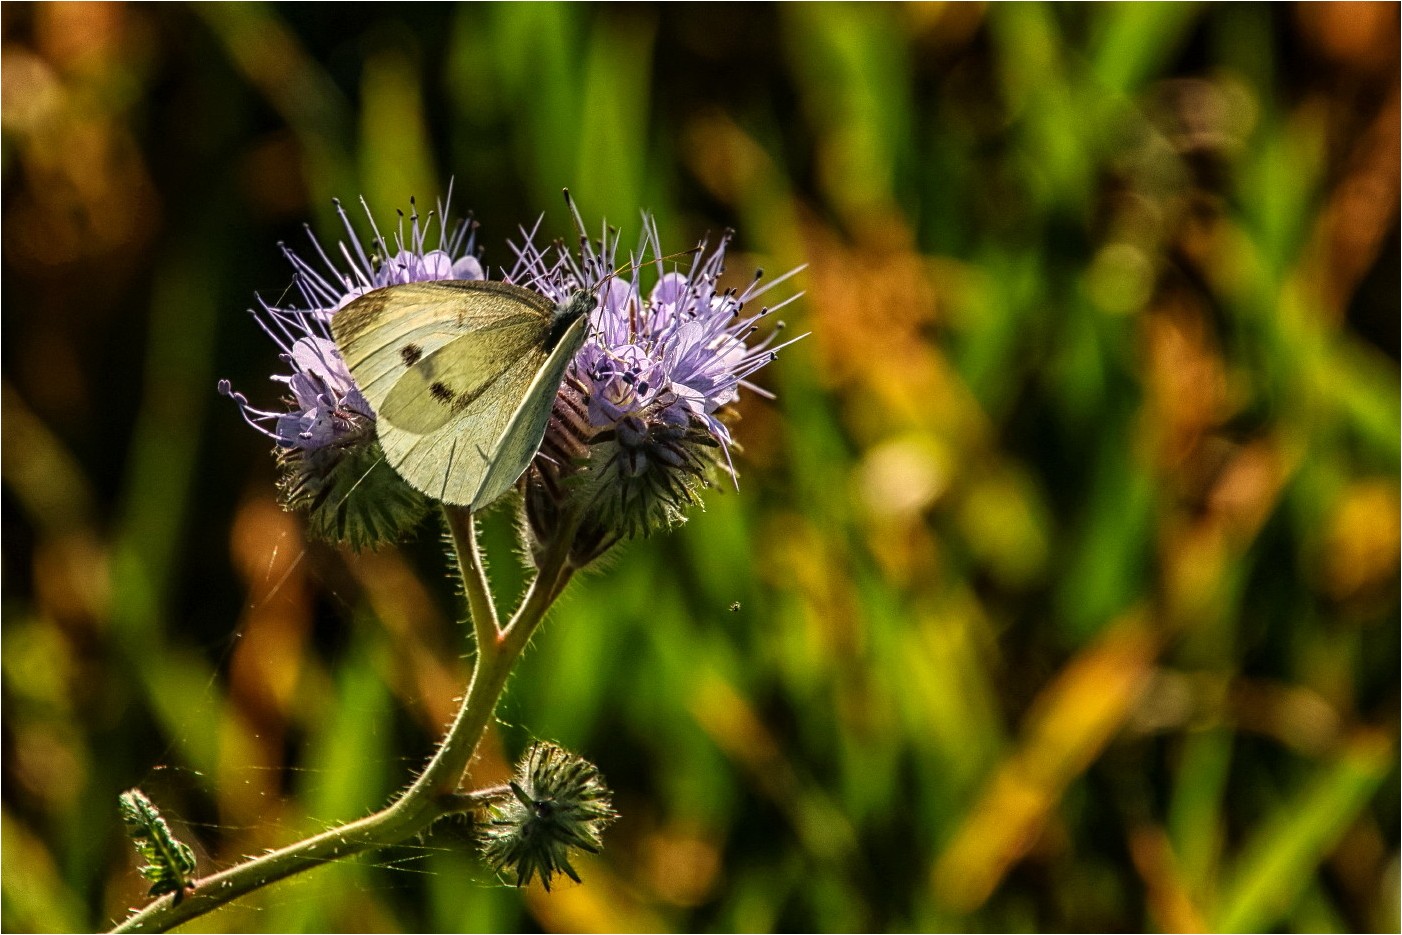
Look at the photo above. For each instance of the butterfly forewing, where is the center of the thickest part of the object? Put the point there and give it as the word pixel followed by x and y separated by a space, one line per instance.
pixel 382 333
pixel 521 438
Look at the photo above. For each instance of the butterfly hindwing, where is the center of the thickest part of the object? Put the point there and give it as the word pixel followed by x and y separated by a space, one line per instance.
pixel 442 384
pixel 451 462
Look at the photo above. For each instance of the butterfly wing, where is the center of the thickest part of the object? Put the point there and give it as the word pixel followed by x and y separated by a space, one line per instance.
pixel 443 384
pixel 451 463
pixel 461 377
pixel 385 333
pixel 521 438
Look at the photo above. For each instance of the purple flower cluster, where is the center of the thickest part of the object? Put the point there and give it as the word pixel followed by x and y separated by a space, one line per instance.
pixel 640 422
pixel 325 407
pixel 674 357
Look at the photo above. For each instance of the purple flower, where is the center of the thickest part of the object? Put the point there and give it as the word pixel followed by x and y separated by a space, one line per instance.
pixel 332 468
pixel 324 406
pixel 641 416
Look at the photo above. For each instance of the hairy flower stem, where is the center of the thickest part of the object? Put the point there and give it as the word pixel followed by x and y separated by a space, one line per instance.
pixel 483 610
pixel 434 793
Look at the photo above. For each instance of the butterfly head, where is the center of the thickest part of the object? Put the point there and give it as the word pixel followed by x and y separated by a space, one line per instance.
pixel 579 304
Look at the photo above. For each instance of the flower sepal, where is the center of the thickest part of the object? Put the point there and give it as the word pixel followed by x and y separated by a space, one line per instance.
pixel 349 493
pixel 600 486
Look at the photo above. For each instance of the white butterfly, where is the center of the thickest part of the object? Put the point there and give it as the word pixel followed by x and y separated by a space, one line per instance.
pixel 462 376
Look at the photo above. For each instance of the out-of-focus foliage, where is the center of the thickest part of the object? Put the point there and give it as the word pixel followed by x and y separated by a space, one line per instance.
pixel 1066 560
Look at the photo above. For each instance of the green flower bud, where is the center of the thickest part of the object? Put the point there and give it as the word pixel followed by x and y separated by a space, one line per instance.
pixel 557 803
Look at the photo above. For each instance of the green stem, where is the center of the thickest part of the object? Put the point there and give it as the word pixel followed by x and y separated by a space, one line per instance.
pixel 434 793
pixel 483 610
pixel 462 803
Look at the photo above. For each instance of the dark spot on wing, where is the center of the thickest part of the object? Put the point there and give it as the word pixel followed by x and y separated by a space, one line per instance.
pixel 411 353
pixel 441 392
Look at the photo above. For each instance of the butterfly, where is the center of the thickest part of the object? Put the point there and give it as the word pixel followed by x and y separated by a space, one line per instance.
pixel 462 376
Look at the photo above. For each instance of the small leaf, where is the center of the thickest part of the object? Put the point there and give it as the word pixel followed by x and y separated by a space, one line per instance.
pixel 170 864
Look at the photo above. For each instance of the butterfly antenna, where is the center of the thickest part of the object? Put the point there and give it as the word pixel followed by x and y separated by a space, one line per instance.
pixel 638 264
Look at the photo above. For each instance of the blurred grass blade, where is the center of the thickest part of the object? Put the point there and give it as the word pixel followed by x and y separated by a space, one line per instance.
pixel 1280 857
pixel 396 162
pixel 1068 726
pixel 272 59
pixel 613 143
pixel 1136 40
pixel 1195 820
pixel 40 471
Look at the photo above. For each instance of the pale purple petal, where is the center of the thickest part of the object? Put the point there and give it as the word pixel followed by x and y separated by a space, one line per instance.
pixel 468 267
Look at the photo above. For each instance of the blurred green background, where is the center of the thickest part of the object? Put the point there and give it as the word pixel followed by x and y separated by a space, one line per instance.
pixel 1067 558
